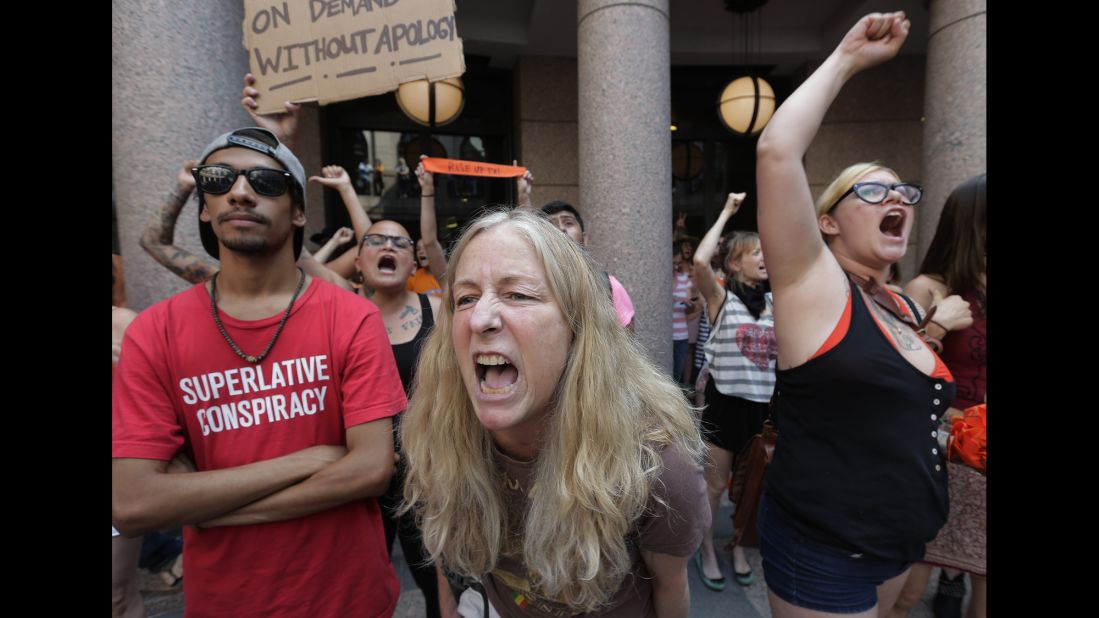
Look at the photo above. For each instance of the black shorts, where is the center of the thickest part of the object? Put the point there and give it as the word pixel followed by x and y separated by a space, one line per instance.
pixel 729 422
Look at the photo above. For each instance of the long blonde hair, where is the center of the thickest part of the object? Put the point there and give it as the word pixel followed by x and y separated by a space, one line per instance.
pixel 614 412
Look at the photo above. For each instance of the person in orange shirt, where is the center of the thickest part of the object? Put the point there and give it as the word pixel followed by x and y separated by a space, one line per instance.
pixel 422 281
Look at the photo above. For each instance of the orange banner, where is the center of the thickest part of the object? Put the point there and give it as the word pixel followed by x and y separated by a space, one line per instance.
pixel 458 167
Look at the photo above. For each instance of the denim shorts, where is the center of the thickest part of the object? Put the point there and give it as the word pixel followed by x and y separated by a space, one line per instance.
pixel 815 576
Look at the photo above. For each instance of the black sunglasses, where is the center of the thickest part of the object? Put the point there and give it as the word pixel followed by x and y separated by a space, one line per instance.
pixel 218 179
pixel 378 240
pixel 876 192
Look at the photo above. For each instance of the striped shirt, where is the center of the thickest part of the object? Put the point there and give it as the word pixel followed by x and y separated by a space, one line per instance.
pixel 681 289
pixel 742 351
pixel 703 335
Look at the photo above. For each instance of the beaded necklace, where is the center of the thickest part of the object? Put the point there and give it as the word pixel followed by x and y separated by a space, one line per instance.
pixel 278 331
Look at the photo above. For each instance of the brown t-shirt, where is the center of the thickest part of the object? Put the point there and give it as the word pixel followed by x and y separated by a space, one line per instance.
pixel 675 529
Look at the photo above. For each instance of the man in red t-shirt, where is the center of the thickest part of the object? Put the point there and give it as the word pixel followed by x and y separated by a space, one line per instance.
pixel 254 409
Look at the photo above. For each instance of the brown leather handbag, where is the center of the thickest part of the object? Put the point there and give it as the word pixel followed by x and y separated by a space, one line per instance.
pixel 747 484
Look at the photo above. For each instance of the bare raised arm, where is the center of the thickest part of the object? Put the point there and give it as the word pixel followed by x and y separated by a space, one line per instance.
pixel 342 235
pixel 809 286
pixel 429 229
pixel 145 496
pixel 787 220
pixel 524 186
pixel 680 228
pixel 312 267
pixel 157 238
pixel 335 177
pixel 283 124
pixel 705 279
pixel 364 471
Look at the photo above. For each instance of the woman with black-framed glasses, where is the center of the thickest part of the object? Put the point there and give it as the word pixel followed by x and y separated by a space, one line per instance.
pixel 858 483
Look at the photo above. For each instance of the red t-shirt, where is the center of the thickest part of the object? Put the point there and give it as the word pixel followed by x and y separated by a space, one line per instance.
pixel 180 386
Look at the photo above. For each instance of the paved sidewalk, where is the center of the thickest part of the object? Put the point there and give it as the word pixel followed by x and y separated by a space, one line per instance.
pixel 735 601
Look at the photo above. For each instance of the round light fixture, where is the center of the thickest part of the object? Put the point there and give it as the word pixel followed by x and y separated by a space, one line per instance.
pixel 746 105
pixel 415 100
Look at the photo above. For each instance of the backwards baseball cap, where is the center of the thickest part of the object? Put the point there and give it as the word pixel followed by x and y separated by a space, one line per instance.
pixel 264 142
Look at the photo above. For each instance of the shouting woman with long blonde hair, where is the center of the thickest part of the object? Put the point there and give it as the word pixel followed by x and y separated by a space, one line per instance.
pixel 547 457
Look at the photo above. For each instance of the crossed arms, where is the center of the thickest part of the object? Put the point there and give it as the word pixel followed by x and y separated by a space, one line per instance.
pixel 149 494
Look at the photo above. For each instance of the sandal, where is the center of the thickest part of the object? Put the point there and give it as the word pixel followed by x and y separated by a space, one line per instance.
pixel 948 598
pixel 173 575
pixel 744 579
pixel 716 584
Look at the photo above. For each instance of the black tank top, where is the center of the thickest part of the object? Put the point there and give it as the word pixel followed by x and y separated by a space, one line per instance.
pixel 406 354
pixel 857 465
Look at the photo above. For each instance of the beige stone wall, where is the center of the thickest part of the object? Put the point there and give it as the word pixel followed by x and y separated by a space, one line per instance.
pixel 176 75
pixel 877 116
pixel 546 134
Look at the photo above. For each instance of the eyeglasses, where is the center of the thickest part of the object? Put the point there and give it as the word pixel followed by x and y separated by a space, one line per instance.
pixel 378 240
pixel 876 192
pixel 218 179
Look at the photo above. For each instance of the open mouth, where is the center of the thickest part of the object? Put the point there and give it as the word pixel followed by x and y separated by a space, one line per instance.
pixel 387 264
pixel 893 224
pixel 496 374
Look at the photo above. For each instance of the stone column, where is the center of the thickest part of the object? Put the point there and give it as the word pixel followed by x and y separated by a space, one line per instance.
pixel 624 88
pixel 176 75
pixel 954 143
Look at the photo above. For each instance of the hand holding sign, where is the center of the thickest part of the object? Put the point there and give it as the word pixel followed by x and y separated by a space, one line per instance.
pixel 283 124
pixel 524 186
pixel 426 178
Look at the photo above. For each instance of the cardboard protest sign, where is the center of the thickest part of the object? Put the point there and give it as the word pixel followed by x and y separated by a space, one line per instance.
pixel 436 165
pixel 335 50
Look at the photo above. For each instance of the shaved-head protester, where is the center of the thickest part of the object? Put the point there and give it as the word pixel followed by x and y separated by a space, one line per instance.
pixel 280 389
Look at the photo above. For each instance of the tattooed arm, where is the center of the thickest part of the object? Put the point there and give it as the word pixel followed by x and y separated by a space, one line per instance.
pixel 157 239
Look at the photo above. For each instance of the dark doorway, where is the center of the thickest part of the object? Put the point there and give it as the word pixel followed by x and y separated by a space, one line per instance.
pixel 375 130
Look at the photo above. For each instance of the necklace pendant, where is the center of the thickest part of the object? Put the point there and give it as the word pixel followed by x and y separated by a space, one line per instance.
pixel 251 359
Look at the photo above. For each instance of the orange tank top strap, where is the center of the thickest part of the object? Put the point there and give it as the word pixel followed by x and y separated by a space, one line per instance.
pixel 838 333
